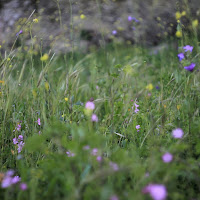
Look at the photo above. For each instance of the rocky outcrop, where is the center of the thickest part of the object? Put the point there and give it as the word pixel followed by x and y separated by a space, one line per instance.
pixel 65 25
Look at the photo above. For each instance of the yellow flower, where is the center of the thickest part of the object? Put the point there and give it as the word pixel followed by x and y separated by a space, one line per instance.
pixel 66 99
pixel 149 87
pixel 164 106
pixel 178 107
pixel 178 15
pixel 0 46
pixel 178 34
pixel 34 93
pixel 195 23
pixel 35 20
pixel 1 81
pixel 8 59
pixel 63 115
pixel 45 57
pixel 183 13
pixel 46 85
pixel 82 16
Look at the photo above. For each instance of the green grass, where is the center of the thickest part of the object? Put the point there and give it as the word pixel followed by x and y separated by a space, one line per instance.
pixel 34 89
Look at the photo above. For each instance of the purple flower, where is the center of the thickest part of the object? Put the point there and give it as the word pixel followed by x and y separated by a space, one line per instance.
pixel 90 105
pixel 114 166
pixel 157 87
pixel 129 18
pixel 7 182
pixel 86 147
pixel 114 32
pixel 15 140
pixel 18 127
pixel 137 127
pixel 94 151
pixel 23 186
pixel 20 146
pixel 20 32
pixel 181 56
pixel 156 191
pixel 190 67
pixel 20 137
pixel 94 118
pixel 136 108
pixel 15 179
pixel 69 154
pixel 167 157
pixel 188 48
pixel 114 197
pixel 99 158
pixel 177 133
pixel 38 121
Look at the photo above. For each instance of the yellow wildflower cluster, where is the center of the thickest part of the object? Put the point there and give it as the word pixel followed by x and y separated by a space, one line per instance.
pixel 180 14
pixel 178 34
pixel 195 23
pixel 35 20
pixel 149 87
pixel 45 57
pixel 82 16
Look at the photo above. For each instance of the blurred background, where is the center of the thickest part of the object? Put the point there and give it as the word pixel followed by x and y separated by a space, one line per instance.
pixel 66 25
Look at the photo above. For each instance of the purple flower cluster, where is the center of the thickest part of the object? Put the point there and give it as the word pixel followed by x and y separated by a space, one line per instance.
pixel 19 142
pixel 91 106
pixel 181 57
pixel 130 18
pixel 9 180
pixel 70 154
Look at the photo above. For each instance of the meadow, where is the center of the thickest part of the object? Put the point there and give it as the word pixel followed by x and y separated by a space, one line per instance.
pixel 119 122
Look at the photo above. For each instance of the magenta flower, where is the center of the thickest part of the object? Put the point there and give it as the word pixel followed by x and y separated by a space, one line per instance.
pixel 167 157
pixel 18 127
pixel 156 191
pixel 190 67
pixel 137 127
pixel 188 48
pixel 177 133
pixel 86 147
pixel 94 118
pixel 39 122
pixel 23 186
pixel 181 56
pixel 90 105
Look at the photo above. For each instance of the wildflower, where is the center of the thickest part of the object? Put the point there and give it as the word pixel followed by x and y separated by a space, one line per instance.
pixel 20 146
pixel 114 32
pixel 1 81
pixel 94 151
pixel 178 34
pixel 190 67
pixel 45 57
pixel 156 191
pixel 66 99
pixel 94 118
pixel 82 16
pixel 86 147
pixel 90 105
pixel 157 87
pixel 113 197
pixel 136 108
pixel 114 166
pixel 167 157
pixel 177 133
pixel 137 127
pixel 19 33
pixel 195 23
pixel 188 48
pixel 129 18
pixel 99 158
pixel 0 46
pixel 23 186
pixel 38 121
pixel 178 15
pixel 35 20
pixel 20 137
pixel 7 182
pixel 18 127
pixel 15 140
pixel 15 179
pixel 183 13
pixel 8 59
pixel 149 87
pixel 181 56
pixel 69 154
pixel 178 107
